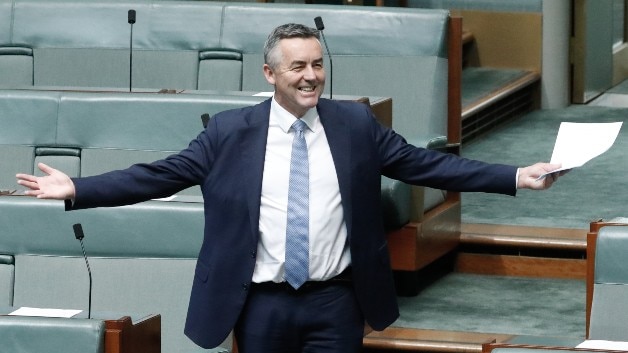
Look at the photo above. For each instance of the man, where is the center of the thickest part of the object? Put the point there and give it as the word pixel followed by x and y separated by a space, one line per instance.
pixel 249 275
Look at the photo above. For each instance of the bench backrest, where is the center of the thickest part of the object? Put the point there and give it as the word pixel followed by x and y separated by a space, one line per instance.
pixel 386 52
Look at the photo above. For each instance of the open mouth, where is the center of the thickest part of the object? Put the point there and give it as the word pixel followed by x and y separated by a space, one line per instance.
pixel 307 89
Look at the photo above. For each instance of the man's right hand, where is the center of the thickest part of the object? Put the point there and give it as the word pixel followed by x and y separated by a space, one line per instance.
pixel 54 185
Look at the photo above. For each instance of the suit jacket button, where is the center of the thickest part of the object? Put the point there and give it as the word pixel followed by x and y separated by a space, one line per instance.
pixel 245 286
pixel 253 254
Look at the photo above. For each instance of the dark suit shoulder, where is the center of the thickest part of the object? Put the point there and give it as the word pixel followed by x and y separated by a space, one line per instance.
pixel 247 115
pixel 347 109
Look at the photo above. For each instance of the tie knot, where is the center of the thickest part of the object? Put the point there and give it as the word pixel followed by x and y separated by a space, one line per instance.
pixel 299 125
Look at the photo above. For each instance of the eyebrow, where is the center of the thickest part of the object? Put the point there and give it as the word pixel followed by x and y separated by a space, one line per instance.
pixel 302 62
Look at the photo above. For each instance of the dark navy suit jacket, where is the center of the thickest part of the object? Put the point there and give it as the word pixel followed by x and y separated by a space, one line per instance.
pixel 227 160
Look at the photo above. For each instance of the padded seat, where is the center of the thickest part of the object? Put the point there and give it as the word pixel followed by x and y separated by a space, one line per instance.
pixel 609 306
pixel 16 65
pixel 51 335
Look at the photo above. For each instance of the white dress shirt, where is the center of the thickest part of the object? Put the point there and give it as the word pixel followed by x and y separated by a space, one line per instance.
pixel 329 250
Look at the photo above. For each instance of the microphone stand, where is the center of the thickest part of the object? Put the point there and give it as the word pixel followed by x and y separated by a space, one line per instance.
pixel 78 233
pixel 318 21
pixel 131 20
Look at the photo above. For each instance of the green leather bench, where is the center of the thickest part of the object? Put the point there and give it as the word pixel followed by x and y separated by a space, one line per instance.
pixel 608 284
pixel 50 335
pixel 142 256
pixel 187 46
pixel 385 52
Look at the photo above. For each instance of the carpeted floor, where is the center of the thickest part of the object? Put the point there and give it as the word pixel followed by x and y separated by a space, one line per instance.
pixel 523 306
pixel 590 192
pixel 496 304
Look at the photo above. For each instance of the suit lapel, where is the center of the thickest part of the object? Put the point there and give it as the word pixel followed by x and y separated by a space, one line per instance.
pixel 252 153
pixel 338 134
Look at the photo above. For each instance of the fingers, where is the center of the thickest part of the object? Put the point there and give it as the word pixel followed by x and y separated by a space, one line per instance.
pixel 54 185
pixel 539 176
pixel 25 177
pixel 36 193
pixel 33 185
pixel 45 168
pixel 29 181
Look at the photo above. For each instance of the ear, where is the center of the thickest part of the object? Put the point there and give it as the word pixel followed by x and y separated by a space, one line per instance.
pixel 269 74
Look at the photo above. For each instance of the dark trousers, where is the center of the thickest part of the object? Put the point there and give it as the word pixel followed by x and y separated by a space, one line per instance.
pixel 319 317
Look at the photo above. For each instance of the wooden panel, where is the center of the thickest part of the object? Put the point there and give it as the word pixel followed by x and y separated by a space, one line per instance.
pixel 382 108
pixel 525 266
pixel 499 235
pixel 421 340
pixel 505 39
pixel 418 244
pixel 454 80
pixel 124 336
pixel 402 247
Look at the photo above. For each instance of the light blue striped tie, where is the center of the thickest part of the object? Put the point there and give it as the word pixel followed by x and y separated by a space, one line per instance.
pixel 297 238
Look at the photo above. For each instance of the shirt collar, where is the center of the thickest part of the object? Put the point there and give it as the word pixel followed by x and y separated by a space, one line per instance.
pixel 286 119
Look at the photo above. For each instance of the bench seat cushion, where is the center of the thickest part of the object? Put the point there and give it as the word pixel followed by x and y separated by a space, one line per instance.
pixel 48 335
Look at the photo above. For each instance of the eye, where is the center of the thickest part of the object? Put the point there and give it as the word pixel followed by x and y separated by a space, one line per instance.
pixel 297 68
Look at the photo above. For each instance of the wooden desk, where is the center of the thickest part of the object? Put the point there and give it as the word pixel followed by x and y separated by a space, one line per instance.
pixel 381 107
pixel 124 336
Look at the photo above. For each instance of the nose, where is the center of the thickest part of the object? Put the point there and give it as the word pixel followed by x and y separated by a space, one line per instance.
pixel 309 73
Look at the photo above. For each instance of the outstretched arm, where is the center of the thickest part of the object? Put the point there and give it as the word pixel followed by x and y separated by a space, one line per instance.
pixel 529 176
pixel 54 185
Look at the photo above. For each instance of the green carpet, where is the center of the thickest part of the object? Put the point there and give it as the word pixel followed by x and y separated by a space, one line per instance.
pixel 588 193
pixel 497 304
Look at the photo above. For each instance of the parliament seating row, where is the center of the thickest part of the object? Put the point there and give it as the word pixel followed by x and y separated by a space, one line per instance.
pixel 217 46
pixel 187 45
pixel 143 256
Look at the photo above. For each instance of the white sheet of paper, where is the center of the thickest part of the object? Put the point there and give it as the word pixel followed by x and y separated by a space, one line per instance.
pixel 605 345
pixel 41 312
pixel 578 143
pixel 264 94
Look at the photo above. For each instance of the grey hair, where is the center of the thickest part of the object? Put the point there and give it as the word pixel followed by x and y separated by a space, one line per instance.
pixel 286 31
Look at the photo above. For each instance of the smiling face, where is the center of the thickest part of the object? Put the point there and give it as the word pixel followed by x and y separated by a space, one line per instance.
pixel 297 74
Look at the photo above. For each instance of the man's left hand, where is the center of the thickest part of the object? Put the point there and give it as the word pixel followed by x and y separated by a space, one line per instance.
pixel 529 176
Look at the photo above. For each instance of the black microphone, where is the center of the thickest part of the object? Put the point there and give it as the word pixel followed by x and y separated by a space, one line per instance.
pixel 78 233
pixel 320 26
pixel 205 119
pixel 131 16
pixel 131 20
